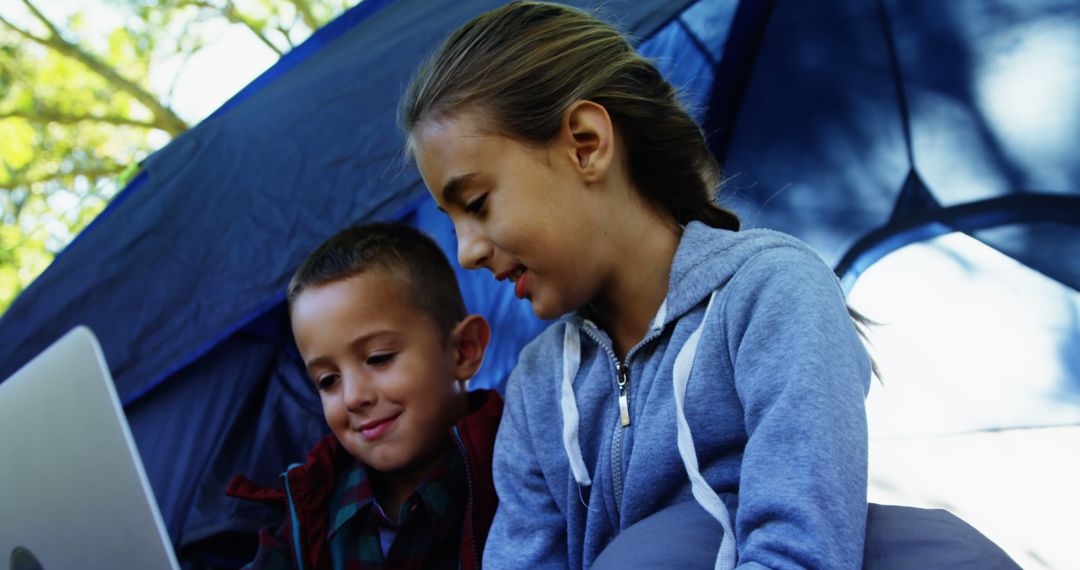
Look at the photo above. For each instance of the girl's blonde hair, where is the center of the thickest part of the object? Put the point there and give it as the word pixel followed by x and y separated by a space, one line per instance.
pixel 522 65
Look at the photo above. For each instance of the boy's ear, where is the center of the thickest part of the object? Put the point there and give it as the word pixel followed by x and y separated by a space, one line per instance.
pixel 471 337
pixel 589 137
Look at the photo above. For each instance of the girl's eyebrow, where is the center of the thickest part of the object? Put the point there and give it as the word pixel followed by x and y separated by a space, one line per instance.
pixel 453 187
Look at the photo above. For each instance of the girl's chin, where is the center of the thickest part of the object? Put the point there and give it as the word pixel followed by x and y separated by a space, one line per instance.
pixel 541 310
pixel 548 312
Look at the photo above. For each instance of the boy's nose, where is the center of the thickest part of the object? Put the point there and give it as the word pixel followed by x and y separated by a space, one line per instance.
pixel 473 251
pixel 358 392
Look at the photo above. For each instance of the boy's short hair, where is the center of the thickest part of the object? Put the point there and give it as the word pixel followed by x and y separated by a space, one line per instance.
pixel 397 248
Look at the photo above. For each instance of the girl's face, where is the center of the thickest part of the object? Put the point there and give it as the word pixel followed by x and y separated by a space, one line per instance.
pixel 534 217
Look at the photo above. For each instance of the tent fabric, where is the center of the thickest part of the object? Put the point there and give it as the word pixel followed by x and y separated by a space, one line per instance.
pixel 857 126
pixel 182 277
pixel 207 222
pixel 850 100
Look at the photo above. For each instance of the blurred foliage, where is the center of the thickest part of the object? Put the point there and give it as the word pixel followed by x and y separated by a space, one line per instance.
pixel 79 109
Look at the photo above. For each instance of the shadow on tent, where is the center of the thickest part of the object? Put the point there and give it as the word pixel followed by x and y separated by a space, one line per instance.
pixel 859 127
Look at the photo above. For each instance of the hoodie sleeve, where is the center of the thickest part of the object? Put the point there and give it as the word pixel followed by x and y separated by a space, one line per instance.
pixel 801 374
pixel 528 531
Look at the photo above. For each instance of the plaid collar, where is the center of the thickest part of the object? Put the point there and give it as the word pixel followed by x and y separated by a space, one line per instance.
pixel 442 499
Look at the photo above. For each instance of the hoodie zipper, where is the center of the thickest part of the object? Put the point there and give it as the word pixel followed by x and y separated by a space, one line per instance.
pixel 622 381
pixel 469 509
pixel 624 394
pixel 294 518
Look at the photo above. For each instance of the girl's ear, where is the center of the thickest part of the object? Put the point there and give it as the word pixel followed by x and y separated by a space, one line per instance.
pixel 589 139
pixel 470 339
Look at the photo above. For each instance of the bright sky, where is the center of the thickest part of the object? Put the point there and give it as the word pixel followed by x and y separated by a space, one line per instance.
pixel 232 58
pixel 215 73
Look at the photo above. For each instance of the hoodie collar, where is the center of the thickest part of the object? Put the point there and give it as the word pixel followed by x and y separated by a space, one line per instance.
pixel 708 257
pixel 704 261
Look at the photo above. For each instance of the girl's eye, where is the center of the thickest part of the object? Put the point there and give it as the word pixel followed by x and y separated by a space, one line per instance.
pixel 325 382
pixel 381 359
pixel 476 205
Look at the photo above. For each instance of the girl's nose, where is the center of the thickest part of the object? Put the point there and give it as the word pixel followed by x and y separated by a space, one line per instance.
pixel 474 251
pixel 358 392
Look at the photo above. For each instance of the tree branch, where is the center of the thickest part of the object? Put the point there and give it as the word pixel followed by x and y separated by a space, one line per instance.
pixel 19 30
pixel 164 118
pixel 96 172
pixel 285 32
pixel 305 12
pixel 233 15
pixel 16 74
pixel 70 119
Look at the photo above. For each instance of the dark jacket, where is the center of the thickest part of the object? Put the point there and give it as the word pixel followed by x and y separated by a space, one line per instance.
pixel 307 489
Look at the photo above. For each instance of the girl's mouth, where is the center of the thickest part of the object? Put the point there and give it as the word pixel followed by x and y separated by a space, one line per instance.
pixel 377 428
pixel 521 282
pixel 511 275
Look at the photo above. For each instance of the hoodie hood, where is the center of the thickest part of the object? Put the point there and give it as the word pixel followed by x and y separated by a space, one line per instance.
pixel 705 261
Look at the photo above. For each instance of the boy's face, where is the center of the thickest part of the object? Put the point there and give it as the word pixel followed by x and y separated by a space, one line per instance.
pixel 387 380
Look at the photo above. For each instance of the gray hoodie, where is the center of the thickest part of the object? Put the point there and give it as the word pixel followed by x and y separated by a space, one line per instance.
pixel 750 382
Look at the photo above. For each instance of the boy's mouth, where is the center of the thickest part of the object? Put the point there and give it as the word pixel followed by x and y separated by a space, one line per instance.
pixel 376 428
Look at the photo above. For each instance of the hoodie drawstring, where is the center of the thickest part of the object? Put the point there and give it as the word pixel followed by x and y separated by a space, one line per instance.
pixel 684 365
pixel 571 363
pixel 703 493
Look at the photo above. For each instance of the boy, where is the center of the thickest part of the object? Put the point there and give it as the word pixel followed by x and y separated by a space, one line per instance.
pixel 404 481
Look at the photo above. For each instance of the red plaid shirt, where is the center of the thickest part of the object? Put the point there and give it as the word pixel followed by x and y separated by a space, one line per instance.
pixel 334 522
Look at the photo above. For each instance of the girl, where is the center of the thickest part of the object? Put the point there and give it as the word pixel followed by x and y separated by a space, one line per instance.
pixel 693 363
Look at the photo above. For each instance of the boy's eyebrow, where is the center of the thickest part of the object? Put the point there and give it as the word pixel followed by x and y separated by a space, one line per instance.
pixel 353 343
pixel 309 364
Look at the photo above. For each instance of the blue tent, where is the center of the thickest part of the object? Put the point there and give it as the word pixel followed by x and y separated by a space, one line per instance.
pixel 859 126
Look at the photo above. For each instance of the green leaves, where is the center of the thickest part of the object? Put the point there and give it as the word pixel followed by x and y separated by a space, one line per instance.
pixel 15 154
pixel 79 108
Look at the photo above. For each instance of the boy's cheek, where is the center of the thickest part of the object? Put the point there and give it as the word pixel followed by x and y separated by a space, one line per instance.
pixel 331 409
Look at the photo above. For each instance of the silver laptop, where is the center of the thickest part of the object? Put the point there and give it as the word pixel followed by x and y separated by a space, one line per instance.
pixel 73 493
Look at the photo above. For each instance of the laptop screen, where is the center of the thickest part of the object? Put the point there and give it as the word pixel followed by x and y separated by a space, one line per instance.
pixel 75 494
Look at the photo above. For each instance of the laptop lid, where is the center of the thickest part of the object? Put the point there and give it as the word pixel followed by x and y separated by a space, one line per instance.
pixel 73 493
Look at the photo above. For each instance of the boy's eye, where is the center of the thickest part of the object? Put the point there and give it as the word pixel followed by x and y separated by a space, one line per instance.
pixel 476 205
pixel 325 382
pixel 381 359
